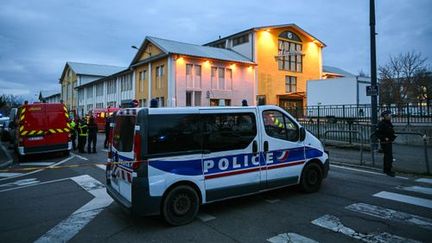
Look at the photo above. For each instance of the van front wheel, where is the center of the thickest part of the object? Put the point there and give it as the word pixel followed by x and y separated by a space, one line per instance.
pixel 180 206
pixel 311 178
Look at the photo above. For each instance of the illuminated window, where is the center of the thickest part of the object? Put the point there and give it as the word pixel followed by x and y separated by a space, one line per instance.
pixel 290 55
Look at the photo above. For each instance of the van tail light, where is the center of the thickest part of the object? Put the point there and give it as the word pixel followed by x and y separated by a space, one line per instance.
pixel 137 152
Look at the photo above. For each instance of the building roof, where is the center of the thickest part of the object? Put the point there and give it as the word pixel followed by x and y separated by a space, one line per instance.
pixel 105 78
pixel 270 27
pixel 91 69
pixel 49 93
pixel 181 48
pixel 335 70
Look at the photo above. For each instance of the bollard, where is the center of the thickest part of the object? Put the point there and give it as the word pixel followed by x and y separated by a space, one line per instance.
pixel 426 153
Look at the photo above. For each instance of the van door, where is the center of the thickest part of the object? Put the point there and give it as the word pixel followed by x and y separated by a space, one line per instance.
pixel 283 153
pixel 231 160
pixel 56 126
pixel 32 123
pixel 122 153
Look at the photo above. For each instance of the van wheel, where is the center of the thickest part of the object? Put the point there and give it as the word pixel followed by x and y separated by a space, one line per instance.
pixel 180 205
pixel 311 178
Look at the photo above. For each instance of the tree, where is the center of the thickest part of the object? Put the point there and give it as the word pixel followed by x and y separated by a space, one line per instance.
pixel 9 101
pixel 404 79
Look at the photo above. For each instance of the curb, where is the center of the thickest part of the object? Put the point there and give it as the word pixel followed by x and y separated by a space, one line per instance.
pixel 9 161
pixel 375 169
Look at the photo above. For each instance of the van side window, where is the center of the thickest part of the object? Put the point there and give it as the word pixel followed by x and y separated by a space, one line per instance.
pixel 174 133
pixel 228 131
pixel 278 125
pixel 124 133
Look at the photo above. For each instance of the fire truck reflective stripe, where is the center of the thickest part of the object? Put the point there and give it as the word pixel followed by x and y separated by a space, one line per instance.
pixel 22 111
pixel 22 117
pixel 66 114
pixel 66 130
pixel 32 132
pixel 59 130
pixel 40 132
pixel 21 128
pixel 64 108
pixel 52 130
pixel 68 125
pixel 24 133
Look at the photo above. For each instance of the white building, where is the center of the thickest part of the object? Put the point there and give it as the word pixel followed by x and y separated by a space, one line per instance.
pixel 49 96
pixel 113 90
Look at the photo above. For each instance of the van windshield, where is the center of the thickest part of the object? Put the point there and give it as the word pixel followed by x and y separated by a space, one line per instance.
pixel 124 133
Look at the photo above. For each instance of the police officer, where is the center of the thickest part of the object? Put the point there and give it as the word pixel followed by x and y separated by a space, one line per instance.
pixel 92 135
pixel 82 135
pixel 154 103
pixel 107 129
pixel 73 133
pixel 244 103
pixel 386 134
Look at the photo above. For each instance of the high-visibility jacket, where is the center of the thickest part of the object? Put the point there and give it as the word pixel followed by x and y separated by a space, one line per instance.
pixel 277 122
pixel 82 129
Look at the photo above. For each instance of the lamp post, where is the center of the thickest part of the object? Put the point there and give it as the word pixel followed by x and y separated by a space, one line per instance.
pixel 374 118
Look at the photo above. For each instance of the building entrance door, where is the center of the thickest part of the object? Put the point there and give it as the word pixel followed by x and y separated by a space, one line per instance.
pixel 293 106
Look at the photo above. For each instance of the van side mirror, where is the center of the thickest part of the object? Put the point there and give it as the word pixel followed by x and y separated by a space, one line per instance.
pixel 302 133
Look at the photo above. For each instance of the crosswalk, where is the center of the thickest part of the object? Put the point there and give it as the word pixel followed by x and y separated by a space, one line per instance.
pixel 417 196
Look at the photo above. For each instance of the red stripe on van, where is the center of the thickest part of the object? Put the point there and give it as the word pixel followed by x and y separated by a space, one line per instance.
pixel 230 173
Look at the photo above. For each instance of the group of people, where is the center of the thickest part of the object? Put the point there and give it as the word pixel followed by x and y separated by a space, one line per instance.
pixel 86 133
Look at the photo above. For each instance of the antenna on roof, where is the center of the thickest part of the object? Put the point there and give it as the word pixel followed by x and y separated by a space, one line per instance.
pixel 219 37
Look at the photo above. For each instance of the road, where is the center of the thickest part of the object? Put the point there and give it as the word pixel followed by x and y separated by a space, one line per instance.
pixel 70 204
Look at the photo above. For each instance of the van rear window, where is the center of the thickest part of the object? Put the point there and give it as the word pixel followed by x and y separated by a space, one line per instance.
pixel 124 133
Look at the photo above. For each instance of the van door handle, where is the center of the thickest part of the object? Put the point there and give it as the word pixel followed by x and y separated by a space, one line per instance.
pixel 254 148
pixel 266 147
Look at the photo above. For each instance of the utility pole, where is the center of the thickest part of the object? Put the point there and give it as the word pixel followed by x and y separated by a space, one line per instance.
pixel 374 86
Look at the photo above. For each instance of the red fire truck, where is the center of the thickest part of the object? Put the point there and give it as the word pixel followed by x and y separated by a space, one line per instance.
pixel 100 115
pixel 42 128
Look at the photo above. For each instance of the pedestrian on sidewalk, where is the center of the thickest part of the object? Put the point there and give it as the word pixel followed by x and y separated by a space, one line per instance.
pixel 92 135
pixel 82 135
pixel 386 134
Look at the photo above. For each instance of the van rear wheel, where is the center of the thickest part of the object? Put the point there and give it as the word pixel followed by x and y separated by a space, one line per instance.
pixel 180 206
pixel 311 178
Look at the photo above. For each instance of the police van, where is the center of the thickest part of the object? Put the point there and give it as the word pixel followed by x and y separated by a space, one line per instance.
pixel 169 161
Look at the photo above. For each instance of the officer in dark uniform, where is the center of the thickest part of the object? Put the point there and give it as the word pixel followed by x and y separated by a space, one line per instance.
pixel 92 135
pixel 386 134
pixel 107 130
pixel 82 135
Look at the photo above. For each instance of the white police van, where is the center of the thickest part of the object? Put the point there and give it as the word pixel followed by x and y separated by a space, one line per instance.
pixel 185 157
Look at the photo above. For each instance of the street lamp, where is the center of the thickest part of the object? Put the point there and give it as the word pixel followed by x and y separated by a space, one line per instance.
pixel 139 49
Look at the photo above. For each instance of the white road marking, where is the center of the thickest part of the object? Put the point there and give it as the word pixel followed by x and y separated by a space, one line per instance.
pixel 36 171
pixel 10 174
pixel 69 227
pixel 79 156
pixel 37 164
pixel 205 217
pixel 272 200
pixel 33 184
pixel 334 224
pixel 103 167
pixel 419 189
pixel 290 237
pixel 424 180
pixel 389 214
pixel 366 171
pixel 405 199
pixel 105 150
pixel 23 182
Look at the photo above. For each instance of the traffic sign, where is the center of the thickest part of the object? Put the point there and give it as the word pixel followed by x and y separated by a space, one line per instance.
pixel 372 90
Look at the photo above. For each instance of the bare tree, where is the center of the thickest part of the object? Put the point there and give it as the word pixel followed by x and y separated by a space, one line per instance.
pixel 401 77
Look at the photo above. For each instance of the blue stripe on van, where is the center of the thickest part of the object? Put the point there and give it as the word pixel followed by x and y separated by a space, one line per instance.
pixel 242 161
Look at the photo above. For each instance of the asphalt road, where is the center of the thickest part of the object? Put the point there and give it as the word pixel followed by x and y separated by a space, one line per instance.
pixel 70 204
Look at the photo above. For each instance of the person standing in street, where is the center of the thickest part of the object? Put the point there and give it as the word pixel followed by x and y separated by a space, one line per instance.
pixel 82 135
pixel 107 130
pixel 73 133
pixel 386 134
pixel 92 135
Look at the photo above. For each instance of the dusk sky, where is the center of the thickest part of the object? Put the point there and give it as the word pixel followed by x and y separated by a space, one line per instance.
pixel 38 37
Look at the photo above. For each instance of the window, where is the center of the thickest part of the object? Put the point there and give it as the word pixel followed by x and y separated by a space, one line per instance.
pixel 89 107
pixel 159 74
pixel 219 45
pixel 81 94
pixel 240 39
pixel 193 76
pixel 290 84
pixel 193 98
pixel 189 77
pixel 126 83
pixel 290 52
pixel 224 132
pixel 111 86
pixel 261 100
pixel 214 78
pixel 178 133
pixel 99 105
pixel 279 126
pixel 143 102
pixel 124 133
pixel 222 102
pixel 161 101
pixel 90 92
pixel 99 89
pixel 228 79
pixel 111 104
pixel 221 78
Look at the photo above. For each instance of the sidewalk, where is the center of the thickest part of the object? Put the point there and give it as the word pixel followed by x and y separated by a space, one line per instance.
pixel 409 158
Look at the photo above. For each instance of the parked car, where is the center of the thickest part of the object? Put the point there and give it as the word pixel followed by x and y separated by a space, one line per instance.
pixel 4 128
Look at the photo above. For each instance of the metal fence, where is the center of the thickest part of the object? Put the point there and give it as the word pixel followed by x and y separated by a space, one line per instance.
pixel 319 119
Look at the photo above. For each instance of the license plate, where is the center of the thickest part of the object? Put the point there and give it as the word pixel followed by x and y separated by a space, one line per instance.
pixel 35 138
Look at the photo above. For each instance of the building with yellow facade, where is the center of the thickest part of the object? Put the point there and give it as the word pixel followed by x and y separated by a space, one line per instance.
pixel 183 74
pixel 286 57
